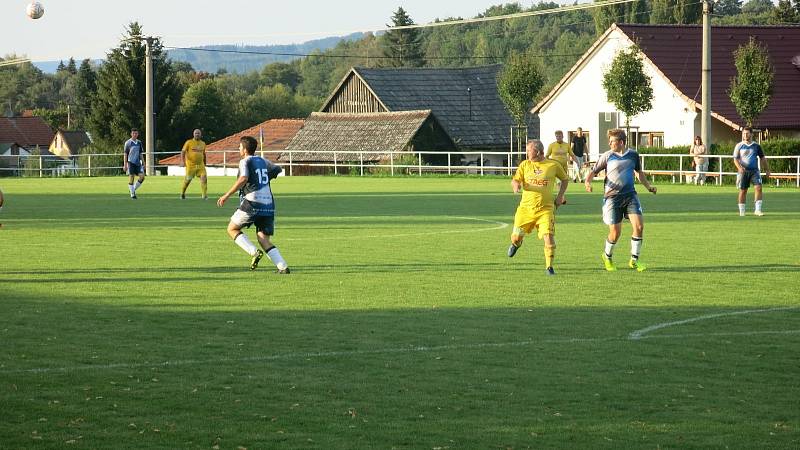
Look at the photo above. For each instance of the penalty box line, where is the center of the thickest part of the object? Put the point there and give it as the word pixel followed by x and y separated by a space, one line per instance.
pixel 411 349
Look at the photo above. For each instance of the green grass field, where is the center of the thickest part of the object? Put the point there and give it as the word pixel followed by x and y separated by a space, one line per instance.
pixel 136 324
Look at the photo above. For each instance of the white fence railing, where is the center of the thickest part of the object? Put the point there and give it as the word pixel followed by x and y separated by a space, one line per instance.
pixel 362 163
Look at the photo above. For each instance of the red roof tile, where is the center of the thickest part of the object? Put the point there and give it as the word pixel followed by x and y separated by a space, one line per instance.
pixel 676 51
pixel 28 132
pixel 277 134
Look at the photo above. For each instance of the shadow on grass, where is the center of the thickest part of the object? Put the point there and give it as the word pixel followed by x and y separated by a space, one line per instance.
pixel 171 374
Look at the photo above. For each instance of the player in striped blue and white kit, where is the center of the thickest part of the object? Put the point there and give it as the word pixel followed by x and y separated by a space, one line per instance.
pixel 746 156
pixel 256 205
pixel 133 164
pixel 619 198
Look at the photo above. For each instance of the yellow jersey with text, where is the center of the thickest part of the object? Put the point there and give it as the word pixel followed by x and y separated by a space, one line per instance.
pixel 195 151
pixel 537 179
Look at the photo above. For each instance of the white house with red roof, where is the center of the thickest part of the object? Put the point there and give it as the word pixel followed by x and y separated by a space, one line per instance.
pixel 672 58
pixel 222 156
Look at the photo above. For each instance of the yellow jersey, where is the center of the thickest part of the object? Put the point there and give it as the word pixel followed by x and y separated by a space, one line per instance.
pixel 537 179
pixel 559 152
pixel 195 152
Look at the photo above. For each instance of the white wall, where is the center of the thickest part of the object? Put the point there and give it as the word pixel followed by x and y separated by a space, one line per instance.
pixel 582 98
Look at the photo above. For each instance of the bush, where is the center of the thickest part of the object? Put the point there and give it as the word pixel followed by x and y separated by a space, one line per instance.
pixel 102 165
pixel 772 147
pixel 35 165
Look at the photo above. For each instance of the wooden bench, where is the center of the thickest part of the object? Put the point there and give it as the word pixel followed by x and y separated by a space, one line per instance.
pixel 778 178
pixel 672 173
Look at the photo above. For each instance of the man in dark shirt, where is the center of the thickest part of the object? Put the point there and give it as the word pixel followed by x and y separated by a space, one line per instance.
pixel 580 152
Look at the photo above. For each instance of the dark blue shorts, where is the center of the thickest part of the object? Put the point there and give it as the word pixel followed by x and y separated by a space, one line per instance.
pixel 265 224
pixel 748 177
pixel 620 207
pixel 135 169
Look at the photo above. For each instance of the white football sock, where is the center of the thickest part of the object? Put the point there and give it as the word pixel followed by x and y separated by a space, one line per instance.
pixel 741 209
pixel 609 248
pixel 137 185
pixel 275 256
pixel 636 247
pixel 130 188
pixel 244 242
pixel 758 204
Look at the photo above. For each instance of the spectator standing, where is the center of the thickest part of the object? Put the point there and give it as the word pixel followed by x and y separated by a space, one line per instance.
pixel 700 162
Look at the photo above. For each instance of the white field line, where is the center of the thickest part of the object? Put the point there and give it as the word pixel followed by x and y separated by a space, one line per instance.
pixel 639 334
pixel 350 353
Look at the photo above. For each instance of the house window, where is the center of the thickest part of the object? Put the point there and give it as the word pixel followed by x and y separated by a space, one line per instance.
pixel 608 117
pixel 650 138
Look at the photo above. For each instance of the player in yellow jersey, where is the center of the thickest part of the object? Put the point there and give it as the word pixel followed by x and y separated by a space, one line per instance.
pixel 535 177
pixel 193 155
pixel 560 151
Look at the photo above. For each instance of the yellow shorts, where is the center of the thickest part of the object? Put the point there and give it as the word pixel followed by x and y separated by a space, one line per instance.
pixel 195 171
pixel 526 219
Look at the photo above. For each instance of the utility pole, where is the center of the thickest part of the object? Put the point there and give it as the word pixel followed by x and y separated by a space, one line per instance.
pixel 705 119
pixel 148 108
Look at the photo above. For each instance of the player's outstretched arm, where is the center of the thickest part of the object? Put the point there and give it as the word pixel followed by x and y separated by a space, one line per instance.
pixel 588 183
pixel 643 179
pixel 516 186
pixel 236 186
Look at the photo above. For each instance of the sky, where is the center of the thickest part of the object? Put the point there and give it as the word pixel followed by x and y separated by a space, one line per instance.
pixel 90 28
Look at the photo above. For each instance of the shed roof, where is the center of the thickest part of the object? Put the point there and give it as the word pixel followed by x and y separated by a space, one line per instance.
pixel 355 132
pixel 276 132
pixel 75 140
pixel 464 100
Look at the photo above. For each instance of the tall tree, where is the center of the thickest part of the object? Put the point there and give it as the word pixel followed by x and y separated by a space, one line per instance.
pixel 751 88
pixel 518 85
pixel 688 11
pixel 604 16
pixel 281 73
pixel 728 7
pixel 663 12
pixel 757 6
pixel 404 47
pixel 204 106
pixel 85 91
pixel 627 86
pixel 784 12
pixel 71 66
pixel 119 104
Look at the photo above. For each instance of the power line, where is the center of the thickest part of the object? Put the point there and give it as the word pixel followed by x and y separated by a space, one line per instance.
pixel 511 16
pixel 250 52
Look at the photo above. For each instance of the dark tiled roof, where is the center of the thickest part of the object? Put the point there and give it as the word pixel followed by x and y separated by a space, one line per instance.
pixel 368 132
pixel 28 132
pixel 76 140
pixel 277 134
pixel 485 124
pixel 676 51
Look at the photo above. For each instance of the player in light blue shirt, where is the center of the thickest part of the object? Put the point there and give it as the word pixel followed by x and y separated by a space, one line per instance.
pixel 133 164
pixel 619 196
pixel 746 156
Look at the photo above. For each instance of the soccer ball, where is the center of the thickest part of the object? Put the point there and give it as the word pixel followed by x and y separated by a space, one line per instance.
pixel 35 10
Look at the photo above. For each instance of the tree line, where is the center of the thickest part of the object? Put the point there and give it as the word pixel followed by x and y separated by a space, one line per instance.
pixel 108 99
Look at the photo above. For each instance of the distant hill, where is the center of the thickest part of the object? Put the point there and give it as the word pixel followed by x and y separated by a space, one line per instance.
pixel 208 60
